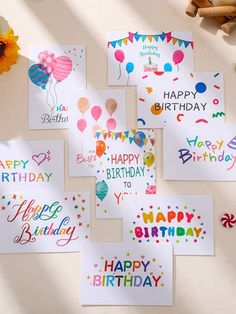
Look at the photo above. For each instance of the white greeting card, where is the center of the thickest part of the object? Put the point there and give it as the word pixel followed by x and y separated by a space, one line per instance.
pixel 196 97
pixel 137 54
pixel 126 164
pixel 125 274
pixel 46 221
pixel 91 111
pixel 53 70
pixel 186 221
pixel 200 152
pixel 31 165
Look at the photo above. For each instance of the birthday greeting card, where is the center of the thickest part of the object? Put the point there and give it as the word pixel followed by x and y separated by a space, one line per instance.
pixel 196 97
pixel 44 221
pixel 125 274
pixel 126 164
pixel 89 112
pixel 137 54
pixel 200 152
pixel 53 69
pixel 31 165
pixel 186 221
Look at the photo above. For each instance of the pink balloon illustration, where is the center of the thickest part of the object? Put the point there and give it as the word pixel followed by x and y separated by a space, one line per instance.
pixel 62 69
pixel 120 57
pixel 111 124
pixel 96 112
pixel 81 124
pixel 178 57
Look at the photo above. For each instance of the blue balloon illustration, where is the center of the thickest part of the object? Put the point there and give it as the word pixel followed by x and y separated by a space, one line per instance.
pixel 168 67
pixel 139 138
pixel 129 67
pixel 101 189
pixel 39 75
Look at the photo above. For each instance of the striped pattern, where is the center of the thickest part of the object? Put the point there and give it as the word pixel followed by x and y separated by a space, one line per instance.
pixel 62 68
pixel 228 220
pixel 38 75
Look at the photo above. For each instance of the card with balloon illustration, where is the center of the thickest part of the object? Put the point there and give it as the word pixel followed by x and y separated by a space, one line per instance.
pixel 31 165
pixel 91 111
pixel 196 97
pixel 52 71
pixel 132 55
pixel 125 165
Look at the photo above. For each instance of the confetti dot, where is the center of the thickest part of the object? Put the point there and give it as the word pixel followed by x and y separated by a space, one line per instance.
pixel 198 217
pixel 200 87
pixel 204 232
pixel 177 241
pixel 216 101
pixel 195 240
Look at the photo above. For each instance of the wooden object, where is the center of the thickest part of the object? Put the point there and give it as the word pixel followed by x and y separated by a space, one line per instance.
pixel 191 9
pixel 206 3
pixel 229 26
pixel 229 10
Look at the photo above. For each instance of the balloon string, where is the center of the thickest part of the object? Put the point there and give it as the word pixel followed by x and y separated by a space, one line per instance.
pixel 52 107
pixel 128 80
pixel 119 70
pixel 54 88
pixel 47 98
pixel 177 67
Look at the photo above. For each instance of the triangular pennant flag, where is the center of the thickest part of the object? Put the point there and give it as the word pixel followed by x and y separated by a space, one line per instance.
pixel 137 36
pixel 163 36
pixel 145 141
pixel 119 42
pixel 168 36
pixel 133 131
pixel 131 37
pixel 109 134
pixel 108 44
pixel 131 139
pixel 191 44
pixel 152 140
pixel 98 134
pixel 113 43
pixel 143 37
pixel 103 132
pixel 180 41
pixel 105 135
pixel 186 43
pixel 125 41
pixel 150 38
pixel 116 136
pixel 174 40
pixel 120 134
pixel 126 133
pixel 112 135
pixel 155 37
pixel 123 138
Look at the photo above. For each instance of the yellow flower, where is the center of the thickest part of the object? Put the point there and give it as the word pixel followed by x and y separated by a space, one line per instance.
pixel 8 50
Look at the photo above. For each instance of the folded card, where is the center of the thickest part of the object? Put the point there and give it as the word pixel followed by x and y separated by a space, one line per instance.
pixel 126 274
pixel 186 221
pixel 91 111
pixel 53 70
pixel 200 152
pixel 137 54
pixel 53 221
pixel 126 164
pixel 196 97
pixel 31 165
